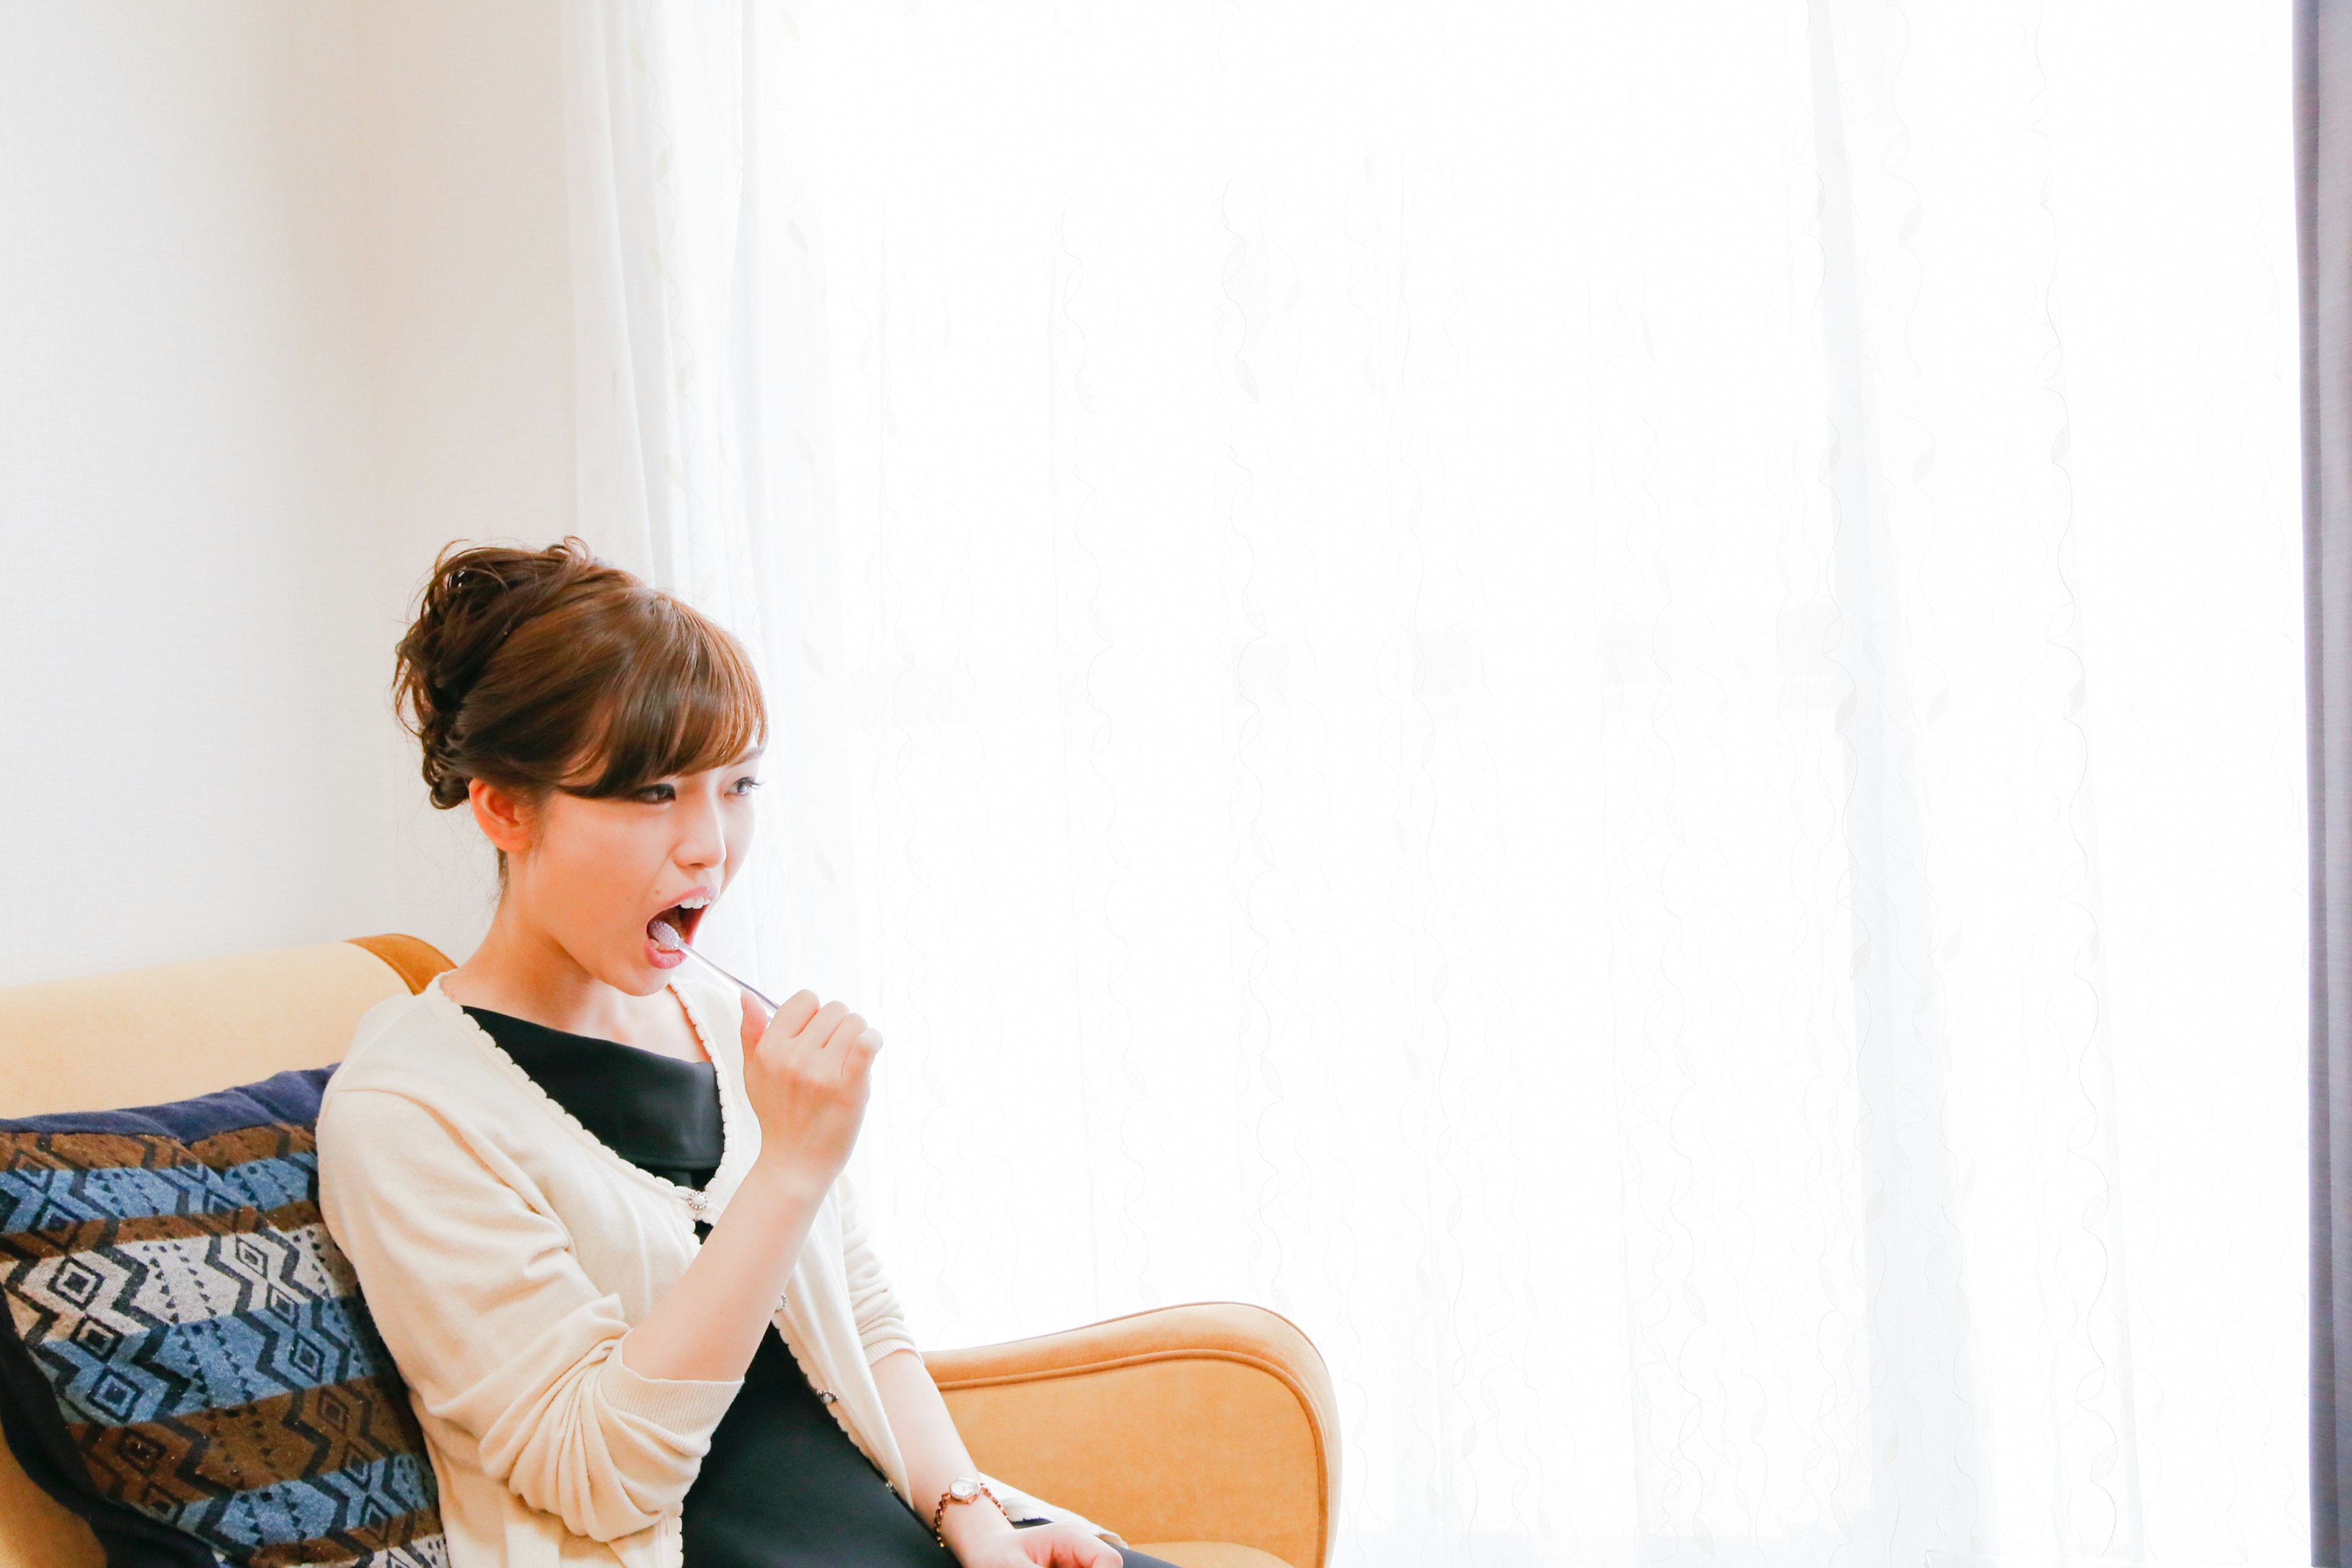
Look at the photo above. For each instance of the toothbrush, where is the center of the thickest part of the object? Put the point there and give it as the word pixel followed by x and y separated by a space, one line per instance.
pixel 668 940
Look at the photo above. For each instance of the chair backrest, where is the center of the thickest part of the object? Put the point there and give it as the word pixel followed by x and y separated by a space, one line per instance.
pixel 145 1036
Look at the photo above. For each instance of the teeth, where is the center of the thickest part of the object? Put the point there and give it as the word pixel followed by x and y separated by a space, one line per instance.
pixel 693 903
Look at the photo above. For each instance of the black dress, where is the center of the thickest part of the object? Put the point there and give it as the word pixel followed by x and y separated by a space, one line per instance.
pixel 783 1485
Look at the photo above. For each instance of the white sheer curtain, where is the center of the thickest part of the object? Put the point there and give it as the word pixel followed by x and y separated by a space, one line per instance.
pixel 1604 697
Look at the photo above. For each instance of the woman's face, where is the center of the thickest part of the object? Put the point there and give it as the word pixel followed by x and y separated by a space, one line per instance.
pixel 596 874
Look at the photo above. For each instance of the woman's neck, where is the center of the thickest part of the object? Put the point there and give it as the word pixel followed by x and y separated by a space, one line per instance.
pixel 522 971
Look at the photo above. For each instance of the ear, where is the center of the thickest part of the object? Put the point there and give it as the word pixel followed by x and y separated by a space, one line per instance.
pixel 501 817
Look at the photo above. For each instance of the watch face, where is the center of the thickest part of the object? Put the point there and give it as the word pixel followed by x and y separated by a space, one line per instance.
pixel 965 1490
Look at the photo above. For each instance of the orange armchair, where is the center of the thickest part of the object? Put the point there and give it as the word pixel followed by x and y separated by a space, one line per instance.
pixel 1220 1414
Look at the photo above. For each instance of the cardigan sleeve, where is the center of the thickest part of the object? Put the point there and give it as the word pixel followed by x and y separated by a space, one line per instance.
pixel 881 1326
pixel 497 1327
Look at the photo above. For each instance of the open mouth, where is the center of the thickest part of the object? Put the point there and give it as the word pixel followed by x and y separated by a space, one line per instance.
pixel 682 918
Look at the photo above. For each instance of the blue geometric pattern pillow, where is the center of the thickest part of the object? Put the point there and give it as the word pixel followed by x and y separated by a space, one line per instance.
pixel 184 1358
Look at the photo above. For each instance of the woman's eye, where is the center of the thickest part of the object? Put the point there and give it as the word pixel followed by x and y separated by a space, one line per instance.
pixel 654 794
pixel 746 785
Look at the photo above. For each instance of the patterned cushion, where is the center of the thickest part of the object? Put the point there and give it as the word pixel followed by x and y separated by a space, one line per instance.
pixel 184 1360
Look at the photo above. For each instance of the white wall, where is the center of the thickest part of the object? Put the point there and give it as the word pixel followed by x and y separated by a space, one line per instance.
pixel 469 277
pixel 283 307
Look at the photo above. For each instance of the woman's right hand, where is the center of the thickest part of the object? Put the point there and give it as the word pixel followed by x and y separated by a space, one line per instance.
pixel 805 1072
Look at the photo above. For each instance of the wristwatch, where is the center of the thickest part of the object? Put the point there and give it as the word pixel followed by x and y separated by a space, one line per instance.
pixel 963 1488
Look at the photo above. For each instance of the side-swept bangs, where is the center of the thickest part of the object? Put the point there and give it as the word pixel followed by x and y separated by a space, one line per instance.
pixel 679 698
pixel 548 670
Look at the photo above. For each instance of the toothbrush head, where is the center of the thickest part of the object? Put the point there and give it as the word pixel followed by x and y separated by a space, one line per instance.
pixel 664 937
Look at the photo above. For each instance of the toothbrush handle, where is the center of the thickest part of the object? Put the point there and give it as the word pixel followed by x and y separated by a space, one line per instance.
pixel 756 995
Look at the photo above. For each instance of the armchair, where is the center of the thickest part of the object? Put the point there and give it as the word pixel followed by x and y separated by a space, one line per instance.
pixel 1223 1412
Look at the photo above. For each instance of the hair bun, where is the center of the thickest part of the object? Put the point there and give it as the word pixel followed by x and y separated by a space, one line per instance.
pixel 537 670
pixel 471 604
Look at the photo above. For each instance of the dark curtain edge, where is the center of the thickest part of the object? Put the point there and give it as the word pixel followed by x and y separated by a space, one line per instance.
pixel 2327 1486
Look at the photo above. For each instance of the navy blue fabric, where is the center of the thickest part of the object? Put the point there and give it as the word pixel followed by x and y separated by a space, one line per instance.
pixel 292 1096
pixel 185 1357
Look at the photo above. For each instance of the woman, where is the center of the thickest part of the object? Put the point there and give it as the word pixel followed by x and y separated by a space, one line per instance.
pixel 596 1203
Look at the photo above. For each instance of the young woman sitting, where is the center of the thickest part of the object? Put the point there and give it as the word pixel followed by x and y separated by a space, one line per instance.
pixel 596 1202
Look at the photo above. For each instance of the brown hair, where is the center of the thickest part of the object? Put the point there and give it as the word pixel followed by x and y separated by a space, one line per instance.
pixel 549 669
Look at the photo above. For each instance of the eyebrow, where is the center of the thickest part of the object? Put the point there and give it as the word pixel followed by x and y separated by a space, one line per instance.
pixel 752 755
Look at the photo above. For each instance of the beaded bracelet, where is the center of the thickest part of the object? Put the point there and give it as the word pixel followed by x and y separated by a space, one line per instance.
pixel 962 1490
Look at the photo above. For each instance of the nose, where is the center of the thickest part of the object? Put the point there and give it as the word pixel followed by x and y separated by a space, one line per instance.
pixel 702 835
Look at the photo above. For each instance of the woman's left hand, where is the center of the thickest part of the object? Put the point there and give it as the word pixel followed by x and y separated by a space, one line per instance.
pixel 1053 1544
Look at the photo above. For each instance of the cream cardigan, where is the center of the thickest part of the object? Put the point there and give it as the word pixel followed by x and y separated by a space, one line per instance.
pixel 504 1251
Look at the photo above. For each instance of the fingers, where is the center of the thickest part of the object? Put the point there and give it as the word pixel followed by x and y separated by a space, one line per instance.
pixel 755 1021
pixel 1061 1544
pixel 1086 1552
pixel 830 1032
pixel 847 1028
pixel 851 1046
pixel 819 1032
pixel 849 1032
pixel 858 1057
pixel 793 1015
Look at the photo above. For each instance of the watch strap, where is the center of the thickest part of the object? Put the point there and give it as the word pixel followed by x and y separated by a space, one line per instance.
pixel 957 1492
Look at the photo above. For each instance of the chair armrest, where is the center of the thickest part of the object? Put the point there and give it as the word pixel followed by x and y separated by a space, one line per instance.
pixel 35 1529
pixel 1207 1422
